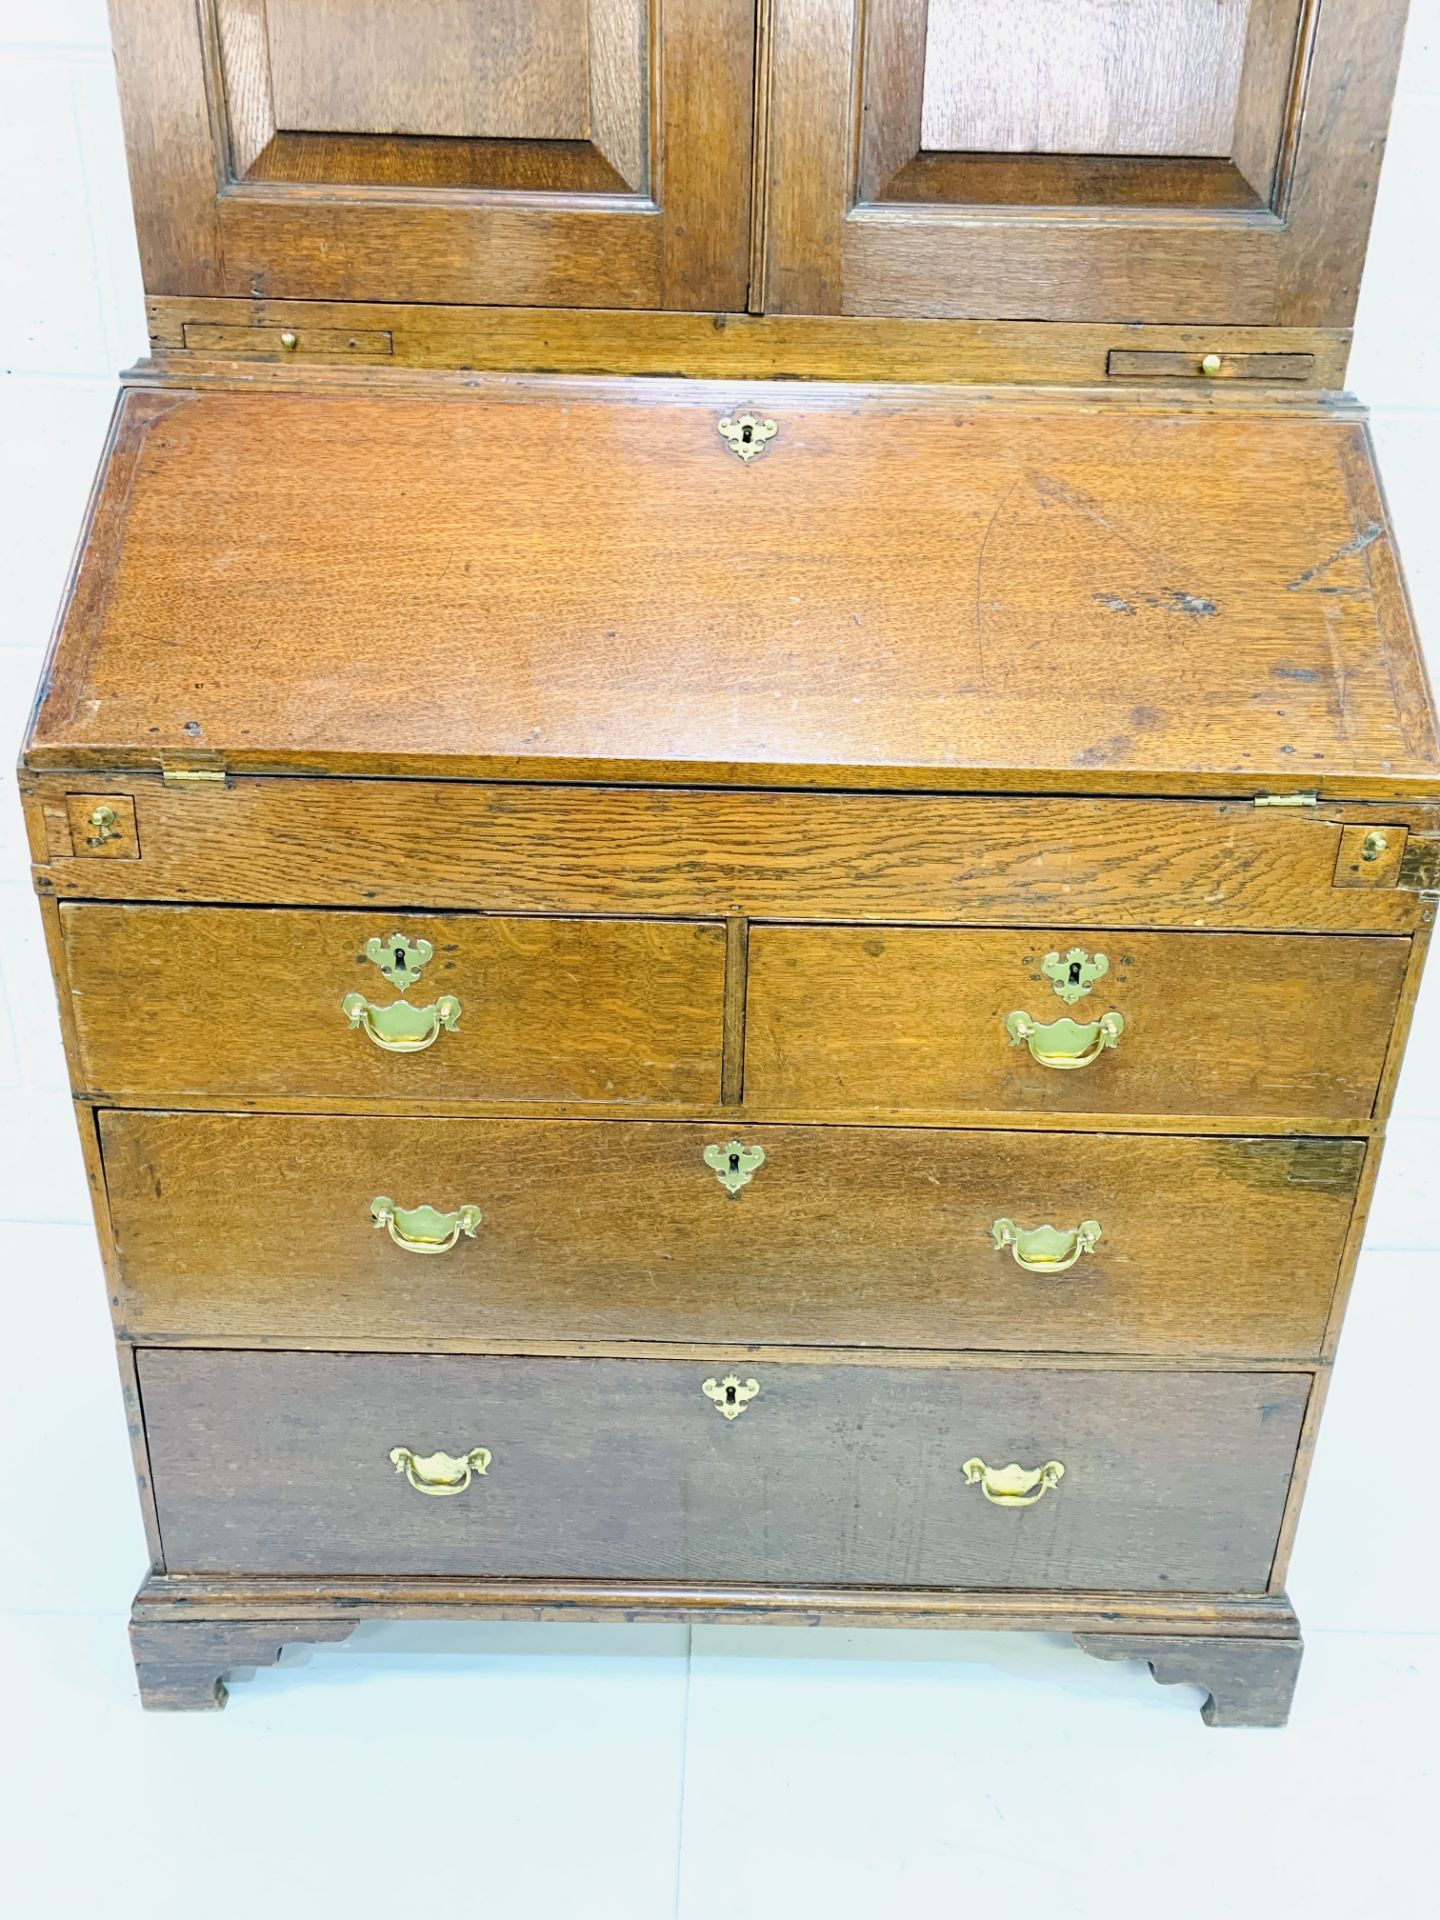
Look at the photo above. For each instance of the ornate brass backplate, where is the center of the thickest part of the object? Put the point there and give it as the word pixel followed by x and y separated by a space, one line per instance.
pixel 440 1473
pixel 401 961
pixel 1013 1486
pixel 731 1395
pixel 1065 1043
pixel 423 1229
pixel 1045 1249
pixel 1074 973
pixel 746 434
pixel 734 1165
pixel 401 1028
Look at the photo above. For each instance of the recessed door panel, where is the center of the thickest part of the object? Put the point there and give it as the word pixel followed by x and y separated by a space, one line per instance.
pixel 495 152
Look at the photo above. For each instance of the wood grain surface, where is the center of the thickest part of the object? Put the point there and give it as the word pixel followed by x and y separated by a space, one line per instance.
pixel 183 999
pixel 852 1017
pixel 892 592
pixel 520 848
pixel 237 1225
pixel 272 1463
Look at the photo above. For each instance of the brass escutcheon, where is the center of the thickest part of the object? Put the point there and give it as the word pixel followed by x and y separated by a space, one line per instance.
pixel 1045 1249
pixel 423 1229
pixel 731 1395
pixel 734 1165
pixel 1065 1044
pixel 1074 973
pixel 1013 1486
pixel 401 961
pixel 440 1473
pixel 746 433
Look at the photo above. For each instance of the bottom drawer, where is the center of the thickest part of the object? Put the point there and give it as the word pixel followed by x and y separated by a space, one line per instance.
pixel 829 1475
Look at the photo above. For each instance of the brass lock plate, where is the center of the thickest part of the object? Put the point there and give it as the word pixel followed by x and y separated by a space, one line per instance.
pixel 102 826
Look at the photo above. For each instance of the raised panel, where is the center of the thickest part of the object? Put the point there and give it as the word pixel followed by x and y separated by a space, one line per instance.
pixel 1083 76
pixel 504 70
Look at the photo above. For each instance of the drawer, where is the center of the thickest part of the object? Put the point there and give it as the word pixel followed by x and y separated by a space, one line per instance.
pixel 897 1018
pixel 281 1463
pixel 239 1002
pixel 261 1224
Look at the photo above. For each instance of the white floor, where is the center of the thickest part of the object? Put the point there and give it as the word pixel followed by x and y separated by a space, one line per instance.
pixel 727 1774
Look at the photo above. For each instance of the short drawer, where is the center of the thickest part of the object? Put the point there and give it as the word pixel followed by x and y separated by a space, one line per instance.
pixel 1069 1021
pixel 308 1463
pixel 264 1224
pixel 252 1002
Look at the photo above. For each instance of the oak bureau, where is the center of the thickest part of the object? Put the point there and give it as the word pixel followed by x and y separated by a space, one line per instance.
pixel 737 817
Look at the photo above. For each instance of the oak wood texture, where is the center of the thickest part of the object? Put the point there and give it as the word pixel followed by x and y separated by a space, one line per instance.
pixel 645 202
pixel 273 1463
pixel 259 1226
pixel 889 1018
pixel 171 1000
pixel 909 593
pixel 715 345
pixel 1147 364
pixel 994 859
pixel 182 1665
pixel 847 93
pixel 1249 1683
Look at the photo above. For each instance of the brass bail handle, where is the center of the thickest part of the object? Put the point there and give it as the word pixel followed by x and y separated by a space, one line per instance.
pixel 1065 1044
pixel 1045 1249
pixel 440 1473
pixel 401 1028
pixel 1013 1486
pixel 424 1229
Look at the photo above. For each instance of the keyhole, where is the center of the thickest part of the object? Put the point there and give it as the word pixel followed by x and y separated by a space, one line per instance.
pixel 729 1396
pixel 747 434
pixel 399 959
pixel 1074 973
pixel 734 1163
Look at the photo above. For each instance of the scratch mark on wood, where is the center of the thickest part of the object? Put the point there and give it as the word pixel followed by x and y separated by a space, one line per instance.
pixel 1367 536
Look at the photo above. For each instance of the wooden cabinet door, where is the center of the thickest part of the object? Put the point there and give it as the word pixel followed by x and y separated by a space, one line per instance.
pixel 1150 160
pixel 515 152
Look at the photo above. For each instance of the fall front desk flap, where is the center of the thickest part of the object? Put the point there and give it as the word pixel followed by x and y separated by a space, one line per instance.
pixel 682 582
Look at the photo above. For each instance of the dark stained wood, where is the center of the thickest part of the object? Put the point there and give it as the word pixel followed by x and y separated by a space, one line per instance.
pixel 295 1598
pixel 1250 1683
pixel 170 1000
pixel 876 1018
pixel 181 1665
pixel 273 1463
pixel 260 1226
pixel 1016 861
pixel 804 613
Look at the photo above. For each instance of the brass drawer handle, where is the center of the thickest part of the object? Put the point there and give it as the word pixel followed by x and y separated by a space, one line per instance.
pixel 1065 1043
pixel 422 1229
pixel 1013 1486
pixel 1045 1249
pixel 401 1028
pixel 440 1473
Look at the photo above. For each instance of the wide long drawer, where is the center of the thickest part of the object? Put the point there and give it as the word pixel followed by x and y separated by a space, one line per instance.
pixel 320 1463
pixel 1069 1020
pixel 266 1224
pixel 241 1003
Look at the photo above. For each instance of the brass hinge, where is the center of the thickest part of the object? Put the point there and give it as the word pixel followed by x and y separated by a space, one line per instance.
pixel 1420 864
pixel 1287 799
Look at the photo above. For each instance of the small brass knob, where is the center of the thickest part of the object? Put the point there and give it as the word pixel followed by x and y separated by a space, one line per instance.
pixel 1373 845
pixel 289 340
pixel 1211 365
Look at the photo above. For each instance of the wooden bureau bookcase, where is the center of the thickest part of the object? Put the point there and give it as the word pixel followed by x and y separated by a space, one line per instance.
pixel 737 814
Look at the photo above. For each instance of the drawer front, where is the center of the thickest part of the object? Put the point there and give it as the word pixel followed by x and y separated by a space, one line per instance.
pixel 220 1001
pixel 229 1224
pixel 913 1018
pixel 281 1463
